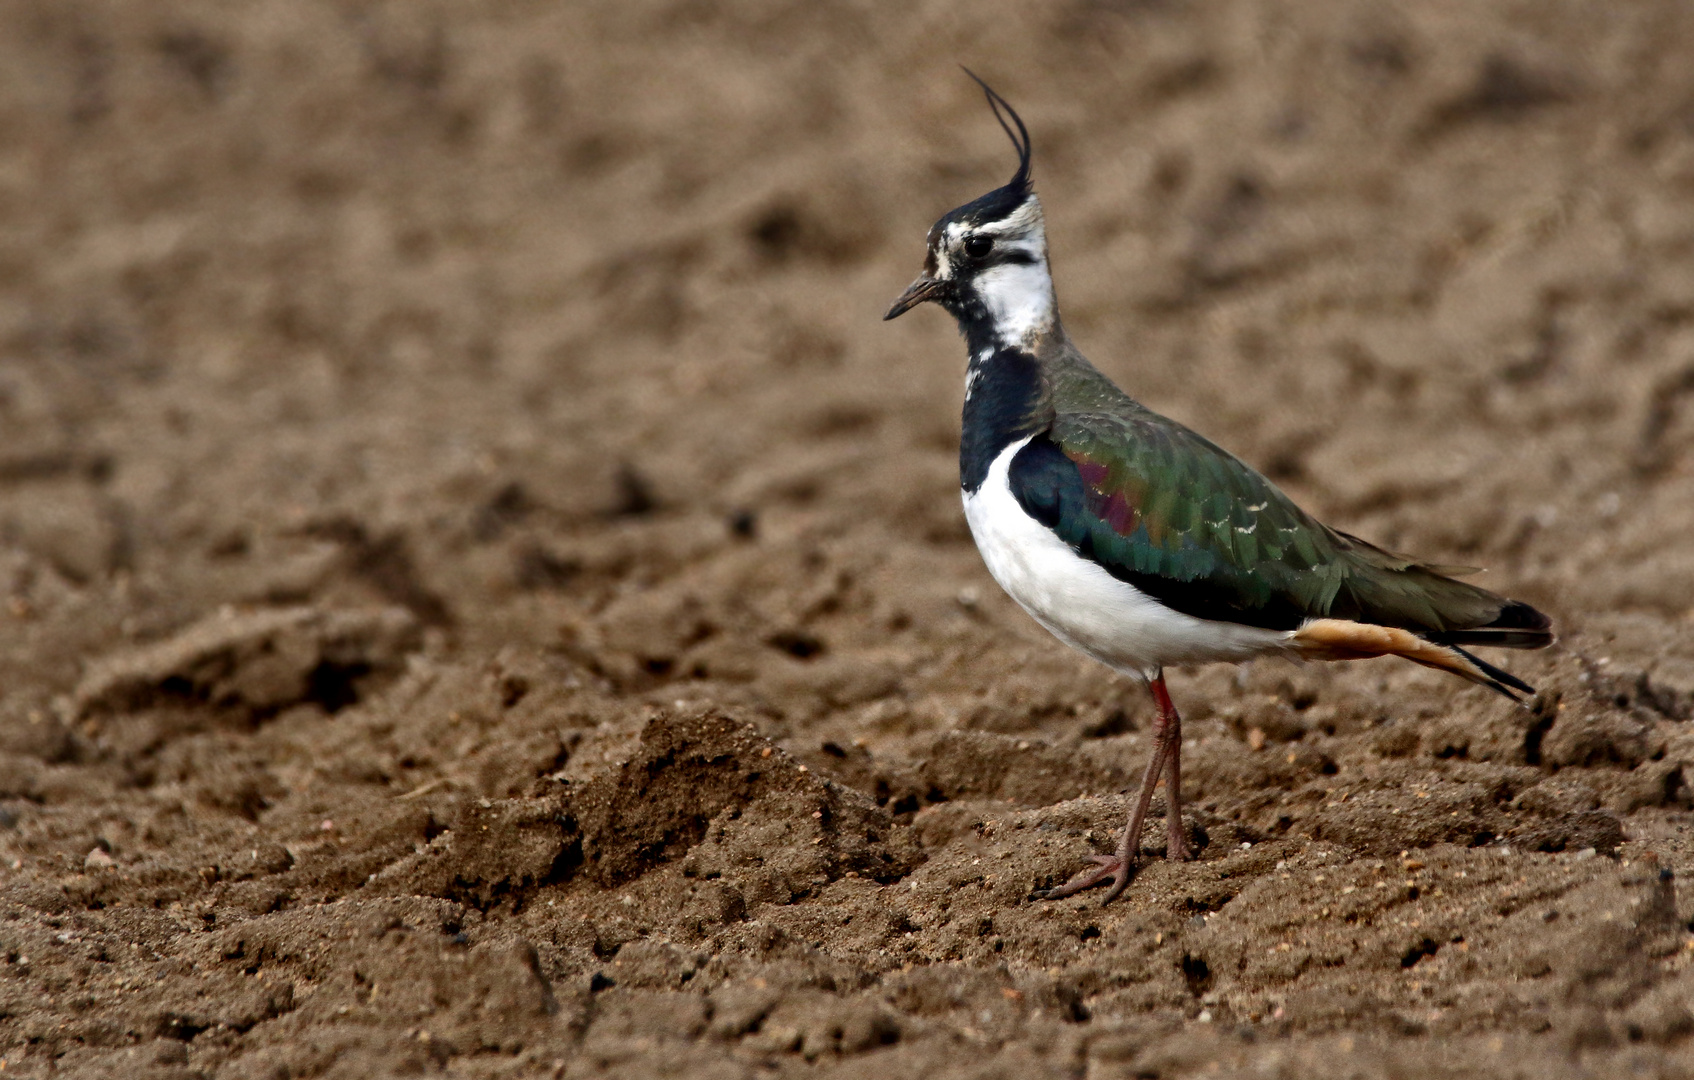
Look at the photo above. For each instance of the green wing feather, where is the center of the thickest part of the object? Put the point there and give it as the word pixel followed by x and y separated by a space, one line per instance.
pixel 1170 511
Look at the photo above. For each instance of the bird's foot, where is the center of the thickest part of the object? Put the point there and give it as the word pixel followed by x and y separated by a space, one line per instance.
pixel 1113 868
pixel 1176 846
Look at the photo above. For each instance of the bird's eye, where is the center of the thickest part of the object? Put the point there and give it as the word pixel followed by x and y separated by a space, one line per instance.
pixel 978 246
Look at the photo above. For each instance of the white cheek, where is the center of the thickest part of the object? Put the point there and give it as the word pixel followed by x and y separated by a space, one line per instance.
pixel 1019 298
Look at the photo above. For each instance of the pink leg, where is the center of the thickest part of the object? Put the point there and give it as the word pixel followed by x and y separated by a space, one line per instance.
pixel 1166 760
pixel 1176 845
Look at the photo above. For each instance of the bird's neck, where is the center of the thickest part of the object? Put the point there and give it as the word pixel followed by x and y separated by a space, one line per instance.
pixel 1009 317
pixel 1006 398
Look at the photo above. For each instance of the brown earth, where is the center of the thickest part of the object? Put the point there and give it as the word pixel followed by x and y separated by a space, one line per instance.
pixel 481 592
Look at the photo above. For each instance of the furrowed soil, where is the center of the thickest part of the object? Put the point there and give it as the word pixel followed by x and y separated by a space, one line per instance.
pixel 482 593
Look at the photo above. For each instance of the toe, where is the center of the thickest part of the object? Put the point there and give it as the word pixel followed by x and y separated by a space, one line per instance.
pixel 1110 868
pixel 1120 882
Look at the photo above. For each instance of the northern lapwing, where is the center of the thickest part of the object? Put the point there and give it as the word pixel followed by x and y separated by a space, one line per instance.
pixel 1141 543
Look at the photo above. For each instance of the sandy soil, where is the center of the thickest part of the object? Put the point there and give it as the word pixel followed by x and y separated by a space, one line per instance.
pixel 481 592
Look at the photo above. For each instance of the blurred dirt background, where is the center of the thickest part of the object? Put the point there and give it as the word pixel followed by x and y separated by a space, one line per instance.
pixel 481 592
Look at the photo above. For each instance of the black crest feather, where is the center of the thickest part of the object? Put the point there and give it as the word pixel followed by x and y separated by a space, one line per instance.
pixel 1003 200
pixel 1019 182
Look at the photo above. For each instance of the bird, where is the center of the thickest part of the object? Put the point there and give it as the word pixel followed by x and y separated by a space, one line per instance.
pixel 1141 543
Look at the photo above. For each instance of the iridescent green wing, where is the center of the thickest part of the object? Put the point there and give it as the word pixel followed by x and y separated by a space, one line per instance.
pixel 1186 522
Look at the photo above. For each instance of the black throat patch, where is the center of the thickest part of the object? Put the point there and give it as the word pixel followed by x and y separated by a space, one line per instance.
pixel 1002 405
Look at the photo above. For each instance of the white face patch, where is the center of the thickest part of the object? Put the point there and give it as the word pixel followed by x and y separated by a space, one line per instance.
pixel 1019 298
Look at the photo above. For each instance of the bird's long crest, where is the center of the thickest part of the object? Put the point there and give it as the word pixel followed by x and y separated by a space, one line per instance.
pixel 1020 138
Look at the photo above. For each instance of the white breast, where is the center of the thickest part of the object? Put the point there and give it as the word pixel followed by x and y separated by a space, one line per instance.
pixel 1083 605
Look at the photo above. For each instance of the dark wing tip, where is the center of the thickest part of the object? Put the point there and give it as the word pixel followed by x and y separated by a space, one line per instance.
pixel 1517 615
pixel 1518 626
pixel 1019 182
